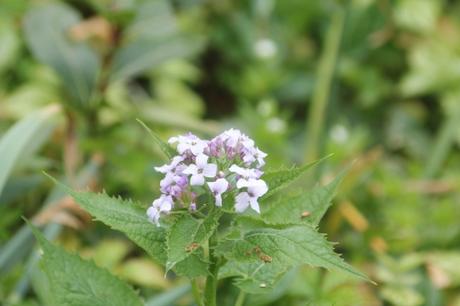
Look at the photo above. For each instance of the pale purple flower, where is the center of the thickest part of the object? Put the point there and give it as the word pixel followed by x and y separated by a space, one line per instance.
pixel 254 154
pixel 217 188
pixel 231 137
pixel 191 168
pixel 163 204
pixel 173 184
pixel 171 166
pixel 245 173
pixel 255 189
pixel 190 143
pixel 200 170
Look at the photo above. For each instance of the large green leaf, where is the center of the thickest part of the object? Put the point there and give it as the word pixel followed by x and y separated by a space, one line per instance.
pixel 126 217
pixel 263 254
pixel 46 30
pixel 277 180
pixel 78 282
pixel 22 139
pixel 303 207
pixel 150 40
pixel 189 234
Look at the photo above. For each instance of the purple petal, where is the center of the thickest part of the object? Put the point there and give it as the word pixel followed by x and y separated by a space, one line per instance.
pixel 210 170
pixel 258 188
pixel 241 202
pixel 191 169
pixel 201 160
pixel 254 204
pixel 219 186
pixel 197 180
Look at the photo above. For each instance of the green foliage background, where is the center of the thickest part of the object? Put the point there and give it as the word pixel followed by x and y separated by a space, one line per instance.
pixel 375 82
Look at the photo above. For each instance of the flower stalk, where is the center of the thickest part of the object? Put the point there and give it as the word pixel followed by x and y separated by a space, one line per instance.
pixel 210 291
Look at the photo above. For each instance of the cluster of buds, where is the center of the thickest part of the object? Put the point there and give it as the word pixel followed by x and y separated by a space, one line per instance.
pixel 228 162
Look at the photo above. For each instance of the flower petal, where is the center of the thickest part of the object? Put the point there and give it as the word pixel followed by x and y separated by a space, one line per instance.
pixel 241 202
pixel 254 204
pixel 218 200
pixel 210 170
pixel 197 180
pixel 191 169
pixel 201 160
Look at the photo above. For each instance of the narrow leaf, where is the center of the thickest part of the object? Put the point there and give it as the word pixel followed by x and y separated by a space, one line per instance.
pixel 23 138
pixel 78 282
pixel 46 29
pixel 277 180
pixel 164 147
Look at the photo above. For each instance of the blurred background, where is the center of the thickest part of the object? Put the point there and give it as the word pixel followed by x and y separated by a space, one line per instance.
pixel 376 82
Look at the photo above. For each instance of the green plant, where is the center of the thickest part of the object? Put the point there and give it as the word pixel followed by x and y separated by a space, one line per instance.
pixel 206 235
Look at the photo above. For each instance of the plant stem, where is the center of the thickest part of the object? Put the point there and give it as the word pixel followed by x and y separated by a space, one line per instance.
pixel 240 299
pixel 442 146
pixel 196 292
pixel 211 280
pixel 316 114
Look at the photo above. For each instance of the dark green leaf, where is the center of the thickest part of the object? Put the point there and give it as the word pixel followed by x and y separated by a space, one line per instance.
pixel 78 282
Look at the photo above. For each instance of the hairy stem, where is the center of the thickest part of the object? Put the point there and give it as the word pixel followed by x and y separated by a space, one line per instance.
pixel 211 280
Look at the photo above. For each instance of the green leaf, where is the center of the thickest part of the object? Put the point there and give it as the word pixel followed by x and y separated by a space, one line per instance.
pixel 150 40
pixel 164 147
pixel 124 216
pixel 193 266
pixel 253 277
pixel 46 29
pixel 262 252
pixel 303 207
pixel 189 234
pixel 277 180
pixel 24 138
pixel 78 282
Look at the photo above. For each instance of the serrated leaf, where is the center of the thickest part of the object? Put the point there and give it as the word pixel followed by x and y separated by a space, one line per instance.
pixel 277 180
pixel 46 29
pixel 24 138
pixel 189 234
pixel 164 147
pixel 124 216
pixel 253 277
pixel 193 266
pixel 304 207
pixel 283 247
pixel 78 282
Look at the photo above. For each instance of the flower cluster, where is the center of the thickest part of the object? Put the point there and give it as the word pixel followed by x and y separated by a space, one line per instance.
pixel 229 162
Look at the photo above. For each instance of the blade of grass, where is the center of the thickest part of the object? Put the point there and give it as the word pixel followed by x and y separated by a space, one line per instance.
pixel 169 297
pixel 317 108
pixel 22 140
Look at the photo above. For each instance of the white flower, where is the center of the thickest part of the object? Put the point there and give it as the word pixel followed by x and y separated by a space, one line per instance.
pixel 200 170
pixel 163 204
pixel 218 187
pixel 169 167
pixel 253 155
pixel 245 173
pixel 255 189
pixel 189 142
